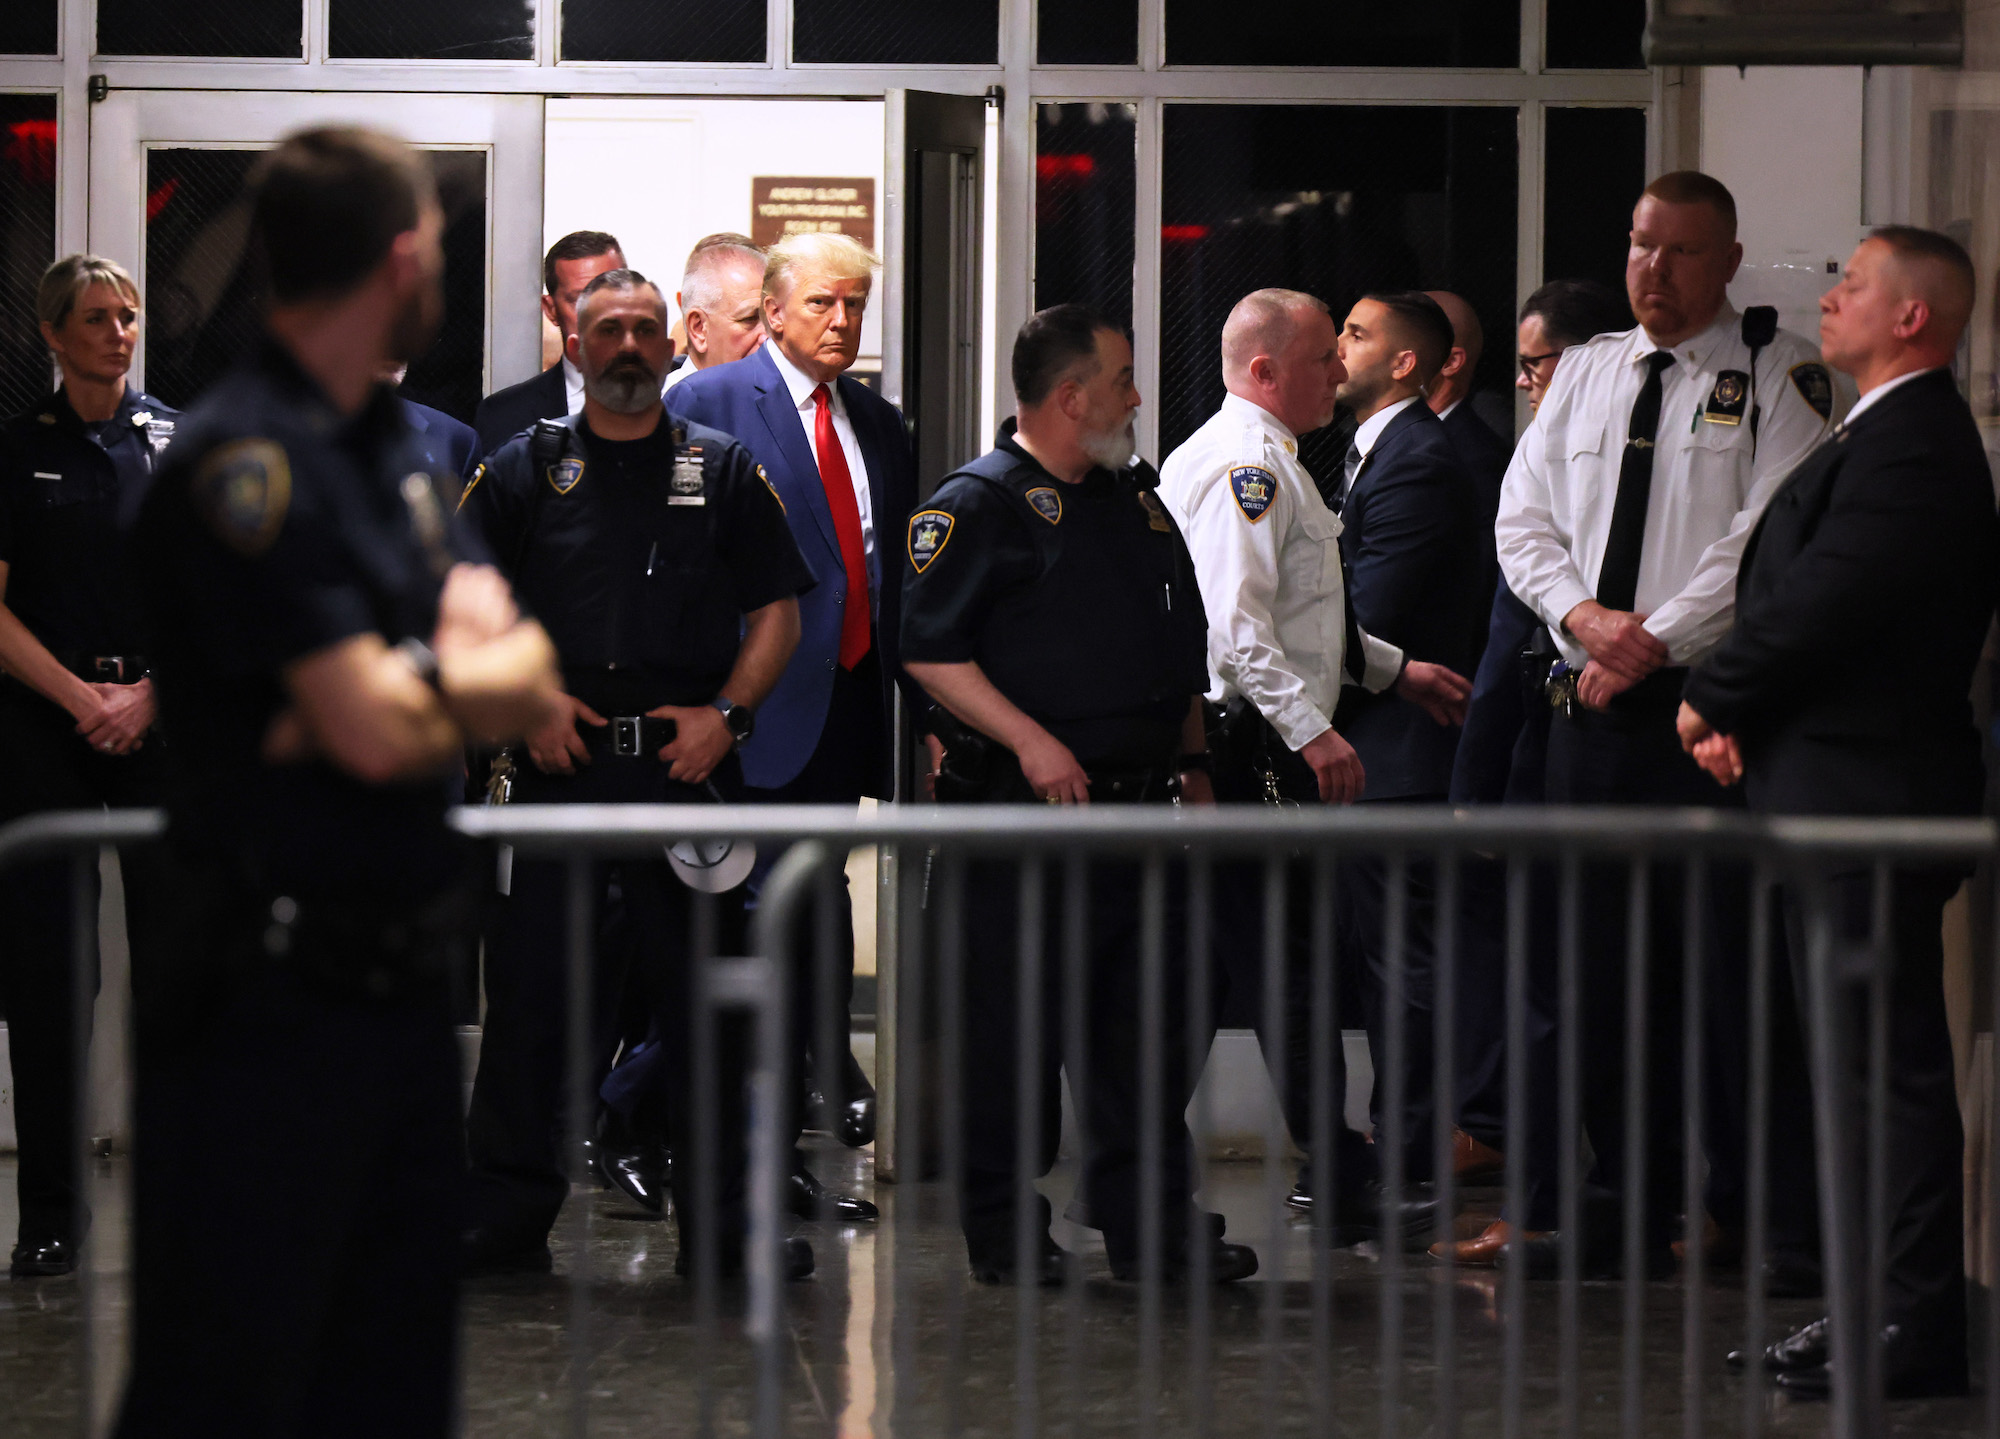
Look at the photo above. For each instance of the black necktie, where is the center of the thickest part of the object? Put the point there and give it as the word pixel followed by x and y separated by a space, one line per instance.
pixel 1618 576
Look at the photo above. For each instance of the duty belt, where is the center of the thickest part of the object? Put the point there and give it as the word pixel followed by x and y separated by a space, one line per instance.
pixel 108 669
pixel 632 736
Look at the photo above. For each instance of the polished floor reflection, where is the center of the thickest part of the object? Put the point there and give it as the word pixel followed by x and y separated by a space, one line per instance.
pixel 890 1337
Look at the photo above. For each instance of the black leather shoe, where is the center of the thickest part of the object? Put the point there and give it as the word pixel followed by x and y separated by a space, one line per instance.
pixel 1793 1276
pixel 641 1177
pixel 996 1265
pixel 1227 1264
pixel 1910 1369
pixel 807 1198
pixel 42 1259
pixel 1360 1214
pixel 1541 1258
pixel 797 1259
pixel 1804 1348
pixel 848 1115
pixel 488 1251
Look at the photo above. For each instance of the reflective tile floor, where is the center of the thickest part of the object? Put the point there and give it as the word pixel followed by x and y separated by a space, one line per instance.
pixel 889 1337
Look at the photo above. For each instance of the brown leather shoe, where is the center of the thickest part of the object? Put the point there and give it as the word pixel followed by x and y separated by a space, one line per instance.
pixel 1471 1159
pixel 1484 1251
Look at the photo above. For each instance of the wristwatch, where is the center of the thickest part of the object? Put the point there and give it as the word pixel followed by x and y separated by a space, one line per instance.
pixel 741 722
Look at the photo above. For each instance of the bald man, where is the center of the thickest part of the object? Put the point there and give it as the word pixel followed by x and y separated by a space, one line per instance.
pixel 1862 603
pixel 1483 450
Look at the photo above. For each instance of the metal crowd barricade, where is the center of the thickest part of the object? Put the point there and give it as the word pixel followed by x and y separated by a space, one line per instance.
pixel 1284 1350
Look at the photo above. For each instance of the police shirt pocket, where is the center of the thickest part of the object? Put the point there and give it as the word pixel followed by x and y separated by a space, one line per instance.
pixel 1323 526
pixel 1719 458
pixel 1583 435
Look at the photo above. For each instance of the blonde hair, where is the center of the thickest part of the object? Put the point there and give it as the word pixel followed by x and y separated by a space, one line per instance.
pixel 64 282
pixel 837 257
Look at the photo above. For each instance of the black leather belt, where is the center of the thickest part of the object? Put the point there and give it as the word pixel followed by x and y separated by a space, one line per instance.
pixel 108 669
pixel 632 736
pixel 1129 786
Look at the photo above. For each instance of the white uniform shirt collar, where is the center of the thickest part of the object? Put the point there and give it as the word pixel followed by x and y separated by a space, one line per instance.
pixel 1690 354
pixel 1445 413
pixel 1882 389
pixel 799 383
pixel 1239 408
pixel 1371 428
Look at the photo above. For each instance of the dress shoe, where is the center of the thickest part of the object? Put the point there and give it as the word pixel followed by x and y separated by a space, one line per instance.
pixel 995 1265
pixel 1541 1258
pixel 1911 1369
pixel 1473 1161
pixel 807 1198
pixel 1360 1214
pixel 1227 1264
pixel 490 1251
pixel 1804 1348
pixel 639 1175
pixel 849 1114
pixel 42 1258
pixel 797 1259
pixel 1483 1250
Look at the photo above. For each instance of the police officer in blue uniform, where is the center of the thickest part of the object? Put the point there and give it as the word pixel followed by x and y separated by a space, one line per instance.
pixel 659 558
pixel 325 646
pixel 76 705
pixel 1052 612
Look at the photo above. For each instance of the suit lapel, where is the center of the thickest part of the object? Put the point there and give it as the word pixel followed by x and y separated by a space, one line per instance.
pixel 781 418
pixel 876 459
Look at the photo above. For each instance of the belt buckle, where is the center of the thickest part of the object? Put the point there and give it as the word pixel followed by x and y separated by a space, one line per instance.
pixel 109 668
pixel 628 735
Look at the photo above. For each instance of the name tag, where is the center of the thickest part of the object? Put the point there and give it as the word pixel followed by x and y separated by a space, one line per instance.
pixel 687 499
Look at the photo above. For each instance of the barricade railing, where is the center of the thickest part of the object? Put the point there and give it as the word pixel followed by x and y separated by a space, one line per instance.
pixel 1197 885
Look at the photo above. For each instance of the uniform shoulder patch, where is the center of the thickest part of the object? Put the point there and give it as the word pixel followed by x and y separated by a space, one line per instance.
pixel 1046 503
pixel 564 474
pixel 1156 517
pixel 1254 489
pixel 1815 387
pixel 242 489
pixel 773 489
pixel 930 532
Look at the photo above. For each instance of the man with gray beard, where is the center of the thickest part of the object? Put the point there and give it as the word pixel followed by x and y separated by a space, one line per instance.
pixel 659 560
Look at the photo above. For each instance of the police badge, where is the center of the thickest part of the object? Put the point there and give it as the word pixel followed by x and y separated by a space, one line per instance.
pixel 564 474
pixel 1046 503
pixel 930 530
pixel 686 484
pixel 1726 400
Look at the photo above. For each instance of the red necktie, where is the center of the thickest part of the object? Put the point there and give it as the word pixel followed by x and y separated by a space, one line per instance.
pixel 839 483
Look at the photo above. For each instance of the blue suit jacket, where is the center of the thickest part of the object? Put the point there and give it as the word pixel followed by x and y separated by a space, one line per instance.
pixel 450 445
pixel 748 399
pixel 1418 563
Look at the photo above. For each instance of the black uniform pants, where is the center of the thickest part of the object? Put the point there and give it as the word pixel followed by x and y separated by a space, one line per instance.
pixel 1924 1289
pixel 1108 1093
pixel 296 1206
pixel 50 767
pixel 520 1095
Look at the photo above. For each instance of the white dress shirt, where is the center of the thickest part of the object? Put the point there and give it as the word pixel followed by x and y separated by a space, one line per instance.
pixel 1366 434
pixel 1708 487
pixel 1271 582
pixel 1882 389
pixel 802 386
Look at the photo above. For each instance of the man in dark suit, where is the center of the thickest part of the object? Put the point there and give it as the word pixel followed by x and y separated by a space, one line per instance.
pixel 1882 542
pixel 837 455
pixel 1419 562
pixel 571 263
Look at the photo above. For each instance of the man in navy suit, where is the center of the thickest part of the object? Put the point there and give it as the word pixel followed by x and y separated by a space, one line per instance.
pixel 838 457
pixel 571 264
pixel 1418 555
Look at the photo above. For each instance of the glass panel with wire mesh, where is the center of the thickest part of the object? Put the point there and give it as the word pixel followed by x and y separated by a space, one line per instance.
pixel 227 29
pixel 28 27
pixel 1595 34
pixel 1087 32
pixel 436 30
pixel 896 32
pixel 1338 201
pixel 1596 168
pixel 1085 161
pixel 1429 34
pixel 203 298
pixel 27 243
pixel 715 32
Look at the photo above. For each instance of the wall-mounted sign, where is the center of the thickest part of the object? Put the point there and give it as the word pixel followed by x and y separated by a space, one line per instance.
pixel 794 205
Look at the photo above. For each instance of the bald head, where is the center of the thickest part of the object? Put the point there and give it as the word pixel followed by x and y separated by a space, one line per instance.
pixel 1280 352
pixel 1264 322
pixel 1468 343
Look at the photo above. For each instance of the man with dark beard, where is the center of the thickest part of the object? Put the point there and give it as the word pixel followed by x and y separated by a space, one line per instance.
pixel 660 560
pixel 325 641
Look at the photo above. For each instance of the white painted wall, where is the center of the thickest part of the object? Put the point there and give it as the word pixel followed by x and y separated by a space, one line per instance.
pixel 1788 144
pixel 660 174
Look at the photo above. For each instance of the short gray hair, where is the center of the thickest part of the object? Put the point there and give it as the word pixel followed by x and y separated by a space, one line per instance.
pixel 64 282
pixel 701 286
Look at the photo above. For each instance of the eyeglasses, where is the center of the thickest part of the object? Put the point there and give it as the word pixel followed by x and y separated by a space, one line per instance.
pixel 1528 362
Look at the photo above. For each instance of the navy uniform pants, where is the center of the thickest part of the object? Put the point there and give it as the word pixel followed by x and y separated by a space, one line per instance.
pixel 50 767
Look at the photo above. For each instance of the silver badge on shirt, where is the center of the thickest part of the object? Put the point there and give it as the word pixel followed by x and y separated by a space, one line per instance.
pixel 686 486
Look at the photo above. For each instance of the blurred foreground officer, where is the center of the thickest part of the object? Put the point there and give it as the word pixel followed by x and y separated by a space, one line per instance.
pixel 76 707
pixel 571 263
pixel 721 301
pixel 1053 612
pixel 1282 643
pixel 1883 540
pixel 324 652
pixel 660 560
pixel 1622 521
